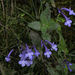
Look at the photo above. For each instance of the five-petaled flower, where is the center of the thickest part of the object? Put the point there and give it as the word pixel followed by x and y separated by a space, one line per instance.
pixel 25 62
pixel 68 22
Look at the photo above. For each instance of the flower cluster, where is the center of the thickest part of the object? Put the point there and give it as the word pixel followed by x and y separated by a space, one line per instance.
pixel 68 21
pixel 27 55
pixel 47 52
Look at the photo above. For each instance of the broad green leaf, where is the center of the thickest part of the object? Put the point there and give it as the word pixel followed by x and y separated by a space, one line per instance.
pixel 35 25
pixel 53 25
pixel 45 17
pixel 47 22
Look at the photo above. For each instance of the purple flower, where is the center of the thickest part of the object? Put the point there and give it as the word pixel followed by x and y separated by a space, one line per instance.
pixel 25 63
pixel 26 57
pixel 22 55
pixel 68 65
pixel 53 46
pixel 71 12
pixel 59 11
pixel 29 53
pixel 36 52
pixel 22 63
pixel 68 21
pixel 7 58
pixel 47 53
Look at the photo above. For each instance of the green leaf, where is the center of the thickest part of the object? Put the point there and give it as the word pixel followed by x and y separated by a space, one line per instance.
pixel 62 45
pixel 47 22
pixel 60 19
pixel 53 25
pixel 46 36
pixel 45 16
pixel 35 25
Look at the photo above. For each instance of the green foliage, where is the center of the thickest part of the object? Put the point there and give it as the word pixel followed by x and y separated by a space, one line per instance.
pixel 30 21
pixel 35 25
pixel 62 45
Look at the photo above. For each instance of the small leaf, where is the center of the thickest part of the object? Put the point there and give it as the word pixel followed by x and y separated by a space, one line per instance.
pixel 35 25
pixel 53 25
pixel 45 16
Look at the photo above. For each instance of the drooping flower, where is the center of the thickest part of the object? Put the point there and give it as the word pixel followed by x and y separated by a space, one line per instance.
pixel 47 52
pixel 36 52
pixel 53 46
pixel 68 65
pixel 71 12
pixel 68 21
pixel 7 58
